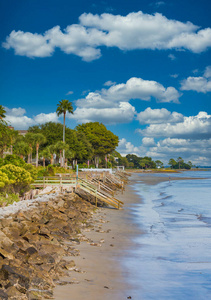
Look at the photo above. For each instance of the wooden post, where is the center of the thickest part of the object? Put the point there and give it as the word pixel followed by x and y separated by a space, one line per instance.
pixel 96 198
pixel 43 182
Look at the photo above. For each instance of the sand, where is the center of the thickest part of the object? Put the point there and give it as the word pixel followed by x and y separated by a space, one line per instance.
pixel 101 274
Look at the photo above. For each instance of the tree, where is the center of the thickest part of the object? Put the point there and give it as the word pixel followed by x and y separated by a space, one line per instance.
pixel 102 140
pixel 63 107
pixel 60 147
pixel 159 164
pixel 29 139
pixel 180 161
pixel 2 113
pixel 45 154
pixel 52 150
pixel 38 139
pixel 22 149
pixel 172 163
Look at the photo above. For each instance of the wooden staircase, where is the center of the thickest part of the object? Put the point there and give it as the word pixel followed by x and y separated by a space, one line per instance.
pixel 99 194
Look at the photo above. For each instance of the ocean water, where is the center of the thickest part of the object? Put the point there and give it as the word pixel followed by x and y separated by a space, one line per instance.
pixel 172 259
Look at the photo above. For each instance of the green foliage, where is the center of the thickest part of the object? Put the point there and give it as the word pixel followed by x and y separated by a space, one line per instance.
pixel 179 164
pixel 4 180
pixel 14 160
pixel 2 113
pixel 102 140
pixel 19 178
pixel 7 199
pixel 141 162
pixel 63 107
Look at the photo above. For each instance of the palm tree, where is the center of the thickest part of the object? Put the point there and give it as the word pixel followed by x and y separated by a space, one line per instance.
pixel 45 154
pixel 63 107
pixel 39 139
pixel 21 149
pixel 2 112
pixel 29 138
pixel 59 147
pixel 52 151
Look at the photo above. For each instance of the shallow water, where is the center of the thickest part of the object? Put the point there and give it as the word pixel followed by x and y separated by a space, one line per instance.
pixel 172 259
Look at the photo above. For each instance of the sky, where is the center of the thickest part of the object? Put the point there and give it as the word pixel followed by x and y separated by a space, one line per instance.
pixel 142 68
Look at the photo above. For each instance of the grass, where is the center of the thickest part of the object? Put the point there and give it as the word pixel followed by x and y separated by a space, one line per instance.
pixel 6 199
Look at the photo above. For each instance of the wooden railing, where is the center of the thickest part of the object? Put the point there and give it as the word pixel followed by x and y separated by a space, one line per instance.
pixel 88 186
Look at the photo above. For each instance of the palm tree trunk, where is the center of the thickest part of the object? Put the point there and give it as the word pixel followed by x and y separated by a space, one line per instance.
pixel 37 148
pixel 64 139
pixel 60 158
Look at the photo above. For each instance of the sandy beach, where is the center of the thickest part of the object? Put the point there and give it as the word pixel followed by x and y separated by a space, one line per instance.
pixel 100 274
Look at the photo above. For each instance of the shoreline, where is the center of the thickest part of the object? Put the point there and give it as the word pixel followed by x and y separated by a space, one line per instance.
pixel 101 272
pixel 103 276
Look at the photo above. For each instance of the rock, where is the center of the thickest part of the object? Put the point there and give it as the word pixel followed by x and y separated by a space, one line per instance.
pixel 3 295
pixel 6 254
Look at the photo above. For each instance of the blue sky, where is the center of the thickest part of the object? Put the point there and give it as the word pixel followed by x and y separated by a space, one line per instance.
pixel 143 68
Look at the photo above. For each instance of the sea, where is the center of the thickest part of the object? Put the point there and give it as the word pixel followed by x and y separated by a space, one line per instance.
pixel 171 258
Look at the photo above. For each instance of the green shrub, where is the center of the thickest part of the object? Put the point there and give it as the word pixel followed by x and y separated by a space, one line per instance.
pixel 8 199
pixel 14 160
pixel 4 180
pixel 19 178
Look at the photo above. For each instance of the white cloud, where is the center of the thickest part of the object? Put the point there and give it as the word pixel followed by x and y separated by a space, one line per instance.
pixel 43 118
pixel 109 83
pixel 194 127
pixel 69 93
pixel 200 84
pixel 28 44
pixel 172 56
pixel 174 75
pixel 133 31
pixel 148 142
pixel 125 148
pixel 124 113
pixel 134 88
pixel 207 72
pixel 157 116
pixel 16 118
pixel 197 151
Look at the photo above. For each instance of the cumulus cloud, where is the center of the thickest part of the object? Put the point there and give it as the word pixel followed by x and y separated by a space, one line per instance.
pixel 198 151
pixel 16 117
pixel 126 147
pixel 133 31
pixel 158 116
pixel 109 83
pixel 134 88
pixel 148 142
pixel 200 84
pixel 194 127
pixel 124 113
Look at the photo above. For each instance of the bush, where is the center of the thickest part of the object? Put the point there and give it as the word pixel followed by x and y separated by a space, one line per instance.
pixel 19 178
pixel 14 160
pixel 8 199
pixel 4 180
pixel 32 170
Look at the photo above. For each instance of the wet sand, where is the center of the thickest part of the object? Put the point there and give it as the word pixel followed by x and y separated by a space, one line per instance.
pixel 101 274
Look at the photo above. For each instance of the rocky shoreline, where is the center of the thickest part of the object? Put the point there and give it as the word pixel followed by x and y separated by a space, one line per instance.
pixel 34 242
